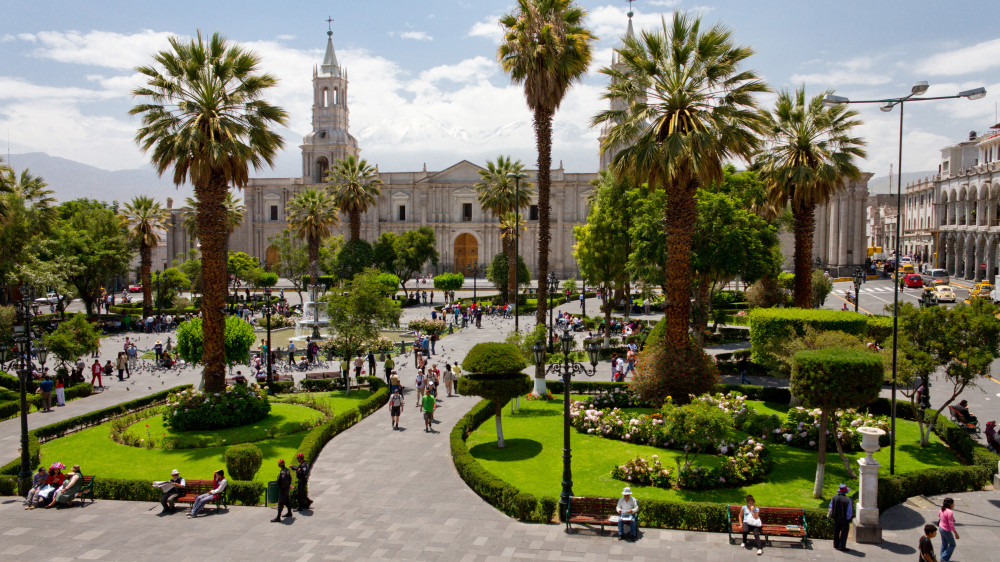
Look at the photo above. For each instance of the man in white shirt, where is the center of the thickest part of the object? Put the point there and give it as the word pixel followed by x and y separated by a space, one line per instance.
pixel 627 508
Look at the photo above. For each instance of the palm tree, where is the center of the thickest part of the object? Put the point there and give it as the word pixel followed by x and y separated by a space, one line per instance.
pixel 144 217
pixel 812 151
pixel 688 108
pixel 547 48
pixel 311 213
pixel 510 225
pixel 235 213
pixel 204 116
pixel 497 194
pixel 355 186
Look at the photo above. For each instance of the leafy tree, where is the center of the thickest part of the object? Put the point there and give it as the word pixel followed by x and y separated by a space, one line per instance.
pixel 497 274
pixel 449 281
pixel 45 274
pixel 311 214
pixel 27 215
pixel 145 218
pixel 355 186
pixel 406 254
pixel 698 426
pixel 832 379
pixel 494 373
pixel 390 280
pixel 168 283
pixel 353 258
pixel 293 260
pixel 545 47
pixel 242 265
pixel 812 151
pixel 235 213
pixel 359 313
pixel 681 106
pixel 822 286
pixel 501 195
pixel 205 116
pixel 191 268
pixel 72 338
pixel 238 339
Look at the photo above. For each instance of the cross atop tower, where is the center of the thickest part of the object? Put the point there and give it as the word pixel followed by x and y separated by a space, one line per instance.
pixel 630 4
pixel 329 20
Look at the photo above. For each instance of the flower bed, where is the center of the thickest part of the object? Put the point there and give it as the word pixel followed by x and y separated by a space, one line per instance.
pixel 194 409
pixel 642 472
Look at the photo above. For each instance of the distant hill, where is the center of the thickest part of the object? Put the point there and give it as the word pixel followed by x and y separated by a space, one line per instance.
pixel 880 184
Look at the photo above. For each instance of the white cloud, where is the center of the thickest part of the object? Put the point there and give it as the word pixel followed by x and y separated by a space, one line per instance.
pixel 488 28
pixel 664 3
pixel 100 48
pixel 469 70
pixel 858 71
pixel 18 89
pixel 609 23
pixel 284 37
pixel 976 58
pixel 414 35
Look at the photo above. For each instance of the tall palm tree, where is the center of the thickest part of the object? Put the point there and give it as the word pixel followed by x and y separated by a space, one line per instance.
pixel 311 213
pixel 547 48
pixel 497 194
pixel 145 217
pixel 688 108
pixel 355 186
pixel 511 225
pixel 235 214
pixel 204 116
pixel 812 151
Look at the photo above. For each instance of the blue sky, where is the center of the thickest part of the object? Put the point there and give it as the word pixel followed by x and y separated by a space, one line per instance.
pixel 425 86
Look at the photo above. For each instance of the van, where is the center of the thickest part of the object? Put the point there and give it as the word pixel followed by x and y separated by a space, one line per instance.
pixel 936 277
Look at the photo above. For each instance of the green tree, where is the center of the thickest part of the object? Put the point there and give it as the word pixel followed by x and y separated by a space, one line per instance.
pixel 169 283
pixel 497 273
pixel 235 213
pixel 311 214
pixel 822 286
pixel 204 115
pixel 72 339
pixel 449 281
pixel 405 254
pixel 832 379
pixel 545 47
pixel 190 266
pixel 359 313
pixel 499 195
pixel 682 106
pixel 698 426
pixel 355 186
pixel 236 344
pixel 242 265
pixel 494 373
pixel 145 218
pixel 293 260
pixel 353 258
pixel 811 153
pixel 27 216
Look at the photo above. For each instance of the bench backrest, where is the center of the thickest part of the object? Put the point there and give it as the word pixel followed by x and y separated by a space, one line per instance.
pixel 198 486
pixel 593 506
pixel 322 376
pixel 772 515
pixel 956 414
pixel 87 479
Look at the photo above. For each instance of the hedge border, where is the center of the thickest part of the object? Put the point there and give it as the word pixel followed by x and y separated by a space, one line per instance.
pixel 12 408
pixel 319 436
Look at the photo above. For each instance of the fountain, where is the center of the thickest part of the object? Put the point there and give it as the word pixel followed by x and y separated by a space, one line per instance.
pixel 313 318
pixel 866 527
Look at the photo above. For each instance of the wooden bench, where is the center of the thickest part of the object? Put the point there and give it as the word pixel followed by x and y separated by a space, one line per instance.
pixel 777 521
pixel 959 420
pixel 591 511
pixel 195 488
pixel 323 376
pixel 87 491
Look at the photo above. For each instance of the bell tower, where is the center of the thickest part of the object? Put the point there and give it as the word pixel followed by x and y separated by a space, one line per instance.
pixel 329 140
pixel 616 104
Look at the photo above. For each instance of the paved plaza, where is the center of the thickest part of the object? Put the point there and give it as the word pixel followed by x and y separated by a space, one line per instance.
pixel 395 495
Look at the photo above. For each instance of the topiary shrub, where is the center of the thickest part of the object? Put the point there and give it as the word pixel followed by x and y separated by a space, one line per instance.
pixel 494 373
pixel 770 326
pixel 243 460
pixel 193 409
pixel 678 373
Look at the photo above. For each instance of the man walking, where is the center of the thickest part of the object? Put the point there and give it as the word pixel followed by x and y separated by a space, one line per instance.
pixel 284 485
pixel 371 363
pixel 302 476
pixel 395 407
pixel 841 510
pixel 388 364
pixel 428 404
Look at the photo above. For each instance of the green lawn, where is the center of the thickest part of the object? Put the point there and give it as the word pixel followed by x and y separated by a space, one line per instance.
pixel 283 419
pixel 532 461
pixel 338 399
pixel 96 453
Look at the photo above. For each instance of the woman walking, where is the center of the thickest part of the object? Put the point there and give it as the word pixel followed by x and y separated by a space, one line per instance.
pixel 946 525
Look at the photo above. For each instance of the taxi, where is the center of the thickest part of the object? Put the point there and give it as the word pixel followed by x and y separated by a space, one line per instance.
pixel 980 290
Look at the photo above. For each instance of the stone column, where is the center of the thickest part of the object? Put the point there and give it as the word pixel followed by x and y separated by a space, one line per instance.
pixel 866 525
pixel 833 215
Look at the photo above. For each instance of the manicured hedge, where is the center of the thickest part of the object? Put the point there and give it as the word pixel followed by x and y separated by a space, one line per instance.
pixel 320 435
pixel 12 408
pixel 14 466
pixel 322 385
pixel 237 491
pixel 768 325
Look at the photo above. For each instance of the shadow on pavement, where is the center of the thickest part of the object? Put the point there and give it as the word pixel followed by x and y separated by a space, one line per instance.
pixel 900 518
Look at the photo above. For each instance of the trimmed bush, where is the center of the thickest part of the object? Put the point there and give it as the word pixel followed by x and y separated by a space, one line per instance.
pixel 771 325
pixel 195 410
pixel 836 378
pixel 663 371
pixel 494 358
pixel 879 328
pixel 243 460
pixel 322 385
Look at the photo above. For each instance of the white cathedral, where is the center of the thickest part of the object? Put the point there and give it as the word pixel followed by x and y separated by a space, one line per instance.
pixel 445 200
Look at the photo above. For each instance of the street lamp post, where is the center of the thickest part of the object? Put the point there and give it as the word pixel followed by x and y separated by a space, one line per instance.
pixel 552 289
pixel 583 301
pixel 859 278
pixel 267 358
pixel 568 368
pixel 887 104
pixel 474 270
pixel 159 293
pixel 23 347
pixel 517 240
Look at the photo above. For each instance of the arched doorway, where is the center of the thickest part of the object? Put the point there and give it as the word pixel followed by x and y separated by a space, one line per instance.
pixel 466 252
pixel 271 259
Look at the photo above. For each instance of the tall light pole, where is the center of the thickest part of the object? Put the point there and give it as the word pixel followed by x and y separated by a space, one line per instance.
pixel 553 285
pixel 267 314
pixel 918 89
pixel 859 278
pixel 517 239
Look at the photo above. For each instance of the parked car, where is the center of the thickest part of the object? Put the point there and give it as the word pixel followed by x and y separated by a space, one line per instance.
pixel 906 269
pixel 49 298
pixel 936 277
pixel 135 288
pixel 913 280
pixel 943 293
pixel 981 290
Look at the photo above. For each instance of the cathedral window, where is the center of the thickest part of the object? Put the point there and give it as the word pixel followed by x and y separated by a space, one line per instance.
pixel 401 213
pixel 533 213
pixel 336 97
pixel 326 97
pixel 467 212
pixel 274 212
pixel 322 134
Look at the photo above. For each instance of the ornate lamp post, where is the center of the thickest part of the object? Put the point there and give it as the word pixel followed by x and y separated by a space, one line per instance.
pixel 517 240
pixel 23 346
pixel 267 315
pixel 568 368
pixel 886 105
pixel 859 278
pixel 473 269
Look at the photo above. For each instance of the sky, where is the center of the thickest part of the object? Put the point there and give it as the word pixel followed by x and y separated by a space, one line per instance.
pixel 425 86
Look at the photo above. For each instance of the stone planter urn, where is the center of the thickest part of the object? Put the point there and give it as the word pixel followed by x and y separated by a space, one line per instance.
pixel 867 529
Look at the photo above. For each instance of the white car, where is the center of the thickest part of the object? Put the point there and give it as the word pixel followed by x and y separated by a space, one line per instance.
pixel 49 298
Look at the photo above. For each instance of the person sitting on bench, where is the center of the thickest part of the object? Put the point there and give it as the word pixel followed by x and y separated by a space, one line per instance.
pixel 627 508
pixel 220 486
pixel 69 488
pixel 963 410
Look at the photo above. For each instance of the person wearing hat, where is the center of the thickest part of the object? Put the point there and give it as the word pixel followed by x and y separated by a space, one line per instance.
pixel 302 476
pixel 841 510
pixel 218 487
pixel 284 486
pixel 170 496
pixel 69 489
pixel 627 508
pixel 158 350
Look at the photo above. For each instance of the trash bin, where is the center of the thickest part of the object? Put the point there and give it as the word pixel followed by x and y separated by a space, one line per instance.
pixel 272 493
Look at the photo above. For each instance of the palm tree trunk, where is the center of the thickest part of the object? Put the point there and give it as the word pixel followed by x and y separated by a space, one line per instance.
pixel 805 224
pixel 213 233
pixel 543 138
pixel 314 259
pixel 355 217
pixel 146 264
pixel 508 248
pixel 679 214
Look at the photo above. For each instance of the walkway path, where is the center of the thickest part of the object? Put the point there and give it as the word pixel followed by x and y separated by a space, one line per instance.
pixel 382 494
